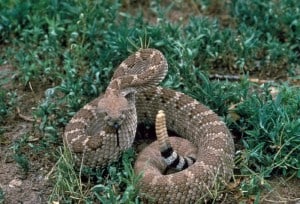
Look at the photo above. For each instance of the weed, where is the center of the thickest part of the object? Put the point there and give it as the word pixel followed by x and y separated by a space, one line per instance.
pixel 277 25
pixel 19 156
pixel 276 124
pixel 67 183
pixel 2 196
pixel 8 102
pixel 3 105
pixel 115 186
pixel 120 187
pixel 274 18
pixel 270 129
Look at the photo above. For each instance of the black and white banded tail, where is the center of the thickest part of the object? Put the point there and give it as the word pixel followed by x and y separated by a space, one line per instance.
pixel 172 159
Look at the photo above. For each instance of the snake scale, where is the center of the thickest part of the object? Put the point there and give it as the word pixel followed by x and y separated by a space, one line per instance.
pixel 100 131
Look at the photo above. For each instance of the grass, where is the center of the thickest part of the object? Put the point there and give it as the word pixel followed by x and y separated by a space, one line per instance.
pixel 1 196
pixel 117 183
pixel 67 183
pixel 72 51
pixel 3 105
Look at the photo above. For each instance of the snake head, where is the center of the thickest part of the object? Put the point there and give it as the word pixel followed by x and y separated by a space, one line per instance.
pixel 114 107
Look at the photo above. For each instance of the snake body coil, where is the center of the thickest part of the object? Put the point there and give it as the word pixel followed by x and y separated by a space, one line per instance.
pixel 106 126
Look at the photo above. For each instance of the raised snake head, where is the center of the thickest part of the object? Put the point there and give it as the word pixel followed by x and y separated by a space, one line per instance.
pixel 115 108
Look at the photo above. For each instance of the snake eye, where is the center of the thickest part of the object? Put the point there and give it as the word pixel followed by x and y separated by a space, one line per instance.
pixel 107 118
pixel 122 117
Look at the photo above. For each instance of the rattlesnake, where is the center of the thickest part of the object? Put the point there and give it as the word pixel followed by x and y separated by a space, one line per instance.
pixel 106 126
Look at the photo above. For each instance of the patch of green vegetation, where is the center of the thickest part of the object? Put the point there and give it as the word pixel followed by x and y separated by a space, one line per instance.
pixel 275 19
pixel 71 49
pixel 1 196
pixel 270 128
pixel 67 183
pixel 121 187
pixel 3 105
pixel 7 104
pixel 19 149
pixel 117 182
pixel 276 30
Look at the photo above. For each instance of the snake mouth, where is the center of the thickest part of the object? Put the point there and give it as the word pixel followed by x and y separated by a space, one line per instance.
pixel 116 125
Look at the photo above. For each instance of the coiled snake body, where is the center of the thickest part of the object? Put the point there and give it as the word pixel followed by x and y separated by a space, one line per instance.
pixel 106 126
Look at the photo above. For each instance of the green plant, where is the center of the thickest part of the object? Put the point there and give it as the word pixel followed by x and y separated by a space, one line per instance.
pixel 277 23
pixel 270 129
pixel 116 185
pixel 3 105
pixel 71 52
pixel 120 187
pixel 274 122
pixel 8 102
pixel 67 183
pixel 273 18
pixel 19 156
pixel 2 196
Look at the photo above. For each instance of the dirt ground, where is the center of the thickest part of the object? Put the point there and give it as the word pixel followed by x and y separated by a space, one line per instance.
pixel 18 186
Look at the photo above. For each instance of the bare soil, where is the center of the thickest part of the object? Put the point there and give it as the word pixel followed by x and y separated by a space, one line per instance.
pixel 17 185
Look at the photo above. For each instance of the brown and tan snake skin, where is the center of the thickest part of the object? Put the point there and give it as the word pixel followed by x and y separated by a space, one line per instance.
pixel 103 128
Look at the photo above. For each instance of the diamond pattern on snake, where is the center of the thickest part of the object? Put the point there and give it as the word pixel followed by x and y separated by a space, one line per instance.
pixel 100 131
